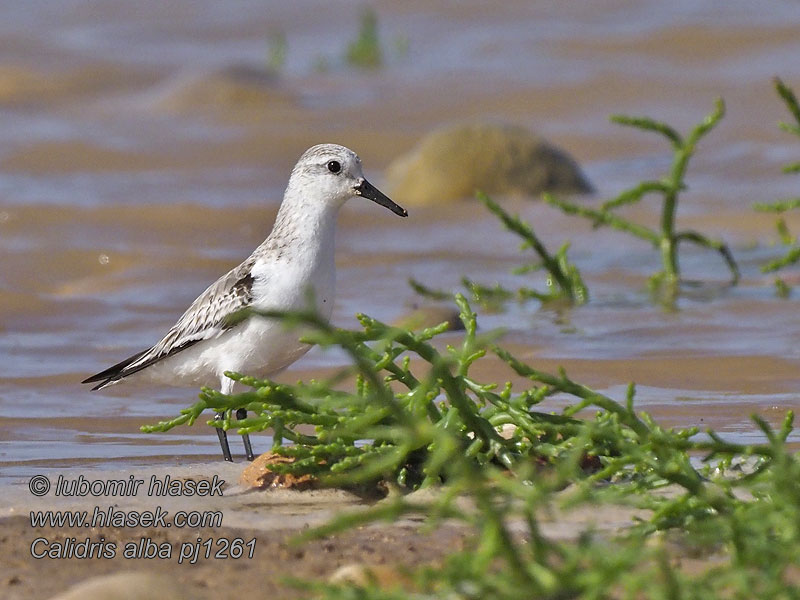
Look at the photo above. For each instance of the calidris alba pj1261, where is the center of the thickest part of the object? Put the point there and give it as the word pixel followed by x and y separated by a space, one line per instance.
pixel 216 334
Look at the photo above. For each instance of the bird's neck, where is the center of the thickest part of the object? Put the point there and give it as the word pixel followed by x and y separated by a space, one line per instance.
pixel 304 226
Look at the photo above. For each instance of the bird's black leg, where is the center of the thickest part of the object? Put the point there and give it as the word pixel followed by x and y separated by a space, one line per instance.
pixel 223 439
pixel 248 448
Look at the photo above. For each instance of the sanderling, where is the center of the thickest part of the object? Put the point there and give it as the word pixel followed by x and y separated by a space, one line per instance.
pixel 218 332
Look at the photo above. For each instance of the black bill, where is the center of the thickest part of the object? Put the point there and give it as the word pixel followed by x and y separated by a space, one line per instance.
pixel 367 190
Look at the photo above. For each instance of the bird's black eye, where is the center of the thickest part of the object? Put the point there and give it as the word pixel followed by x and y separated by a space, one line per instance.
pixel 334 166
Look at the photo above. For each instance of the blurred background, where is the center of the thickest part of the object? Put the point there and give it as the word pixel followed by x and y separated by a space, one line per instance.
pixel 145 147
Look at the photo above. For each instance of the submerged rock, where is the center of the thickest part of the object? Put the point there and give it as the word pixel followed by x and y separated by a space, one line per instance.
pixel 454 162
pixel 19 85
pixel 234 87
pixel 23 86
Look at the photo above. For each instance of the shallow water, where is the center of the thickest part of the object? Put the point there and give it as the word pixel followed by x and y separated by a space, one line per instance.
pixel 133 173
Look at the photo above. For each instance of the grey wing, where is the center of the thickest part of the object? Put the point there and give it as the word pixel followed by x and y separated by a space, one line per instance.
pixel 224 304
pixel 219 308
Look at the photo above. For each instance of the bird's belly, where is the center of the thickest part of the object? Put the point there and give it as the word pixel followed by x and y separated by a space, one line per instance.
pixel 257 347
pixel 263 346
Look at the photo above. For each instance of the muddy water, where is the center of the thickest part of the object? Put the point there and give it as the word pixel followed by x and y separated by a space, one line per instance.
pixel 143 154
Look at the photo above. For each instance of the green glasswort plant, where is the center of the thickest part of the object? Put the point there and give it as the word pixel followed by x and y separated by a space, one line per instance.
pixel 563 279
pixel 792 255
pixel 418 419
pixel 277 50
pixel 749 545
pixel 667 239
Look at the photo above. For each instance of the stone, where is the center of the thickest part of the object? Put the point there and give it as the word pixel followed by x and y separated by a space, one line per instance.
pixel 362 576
pixel 258 475
pixel 453 163
pixel 234 87
pixel 126 585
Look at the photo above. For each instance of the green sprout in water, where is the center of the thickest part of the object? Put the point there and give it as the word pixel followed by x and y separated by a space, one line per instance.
pixel 563 278
pixel 276 50
pixel 667 239
pixel 792 255
pixel 564 281
pixel 365 51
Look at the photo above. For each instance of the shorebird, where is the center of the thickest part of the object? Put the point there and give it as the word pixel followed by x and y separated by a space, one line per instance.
pixel 220 331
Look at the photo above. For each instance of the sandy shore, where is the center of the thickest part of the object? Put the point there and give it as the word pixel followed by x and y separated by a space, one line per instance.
pixel 191 523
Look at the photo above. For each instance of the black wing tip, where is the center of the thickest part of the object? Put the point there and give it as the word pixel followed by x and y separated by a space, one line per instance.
pixel 104 381
pixel 103 384
pixel 123 369
pixel 113 373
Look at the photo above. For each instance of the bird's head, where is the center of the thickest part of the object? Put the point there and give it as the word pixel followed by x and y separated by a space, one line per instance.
pixel 332 174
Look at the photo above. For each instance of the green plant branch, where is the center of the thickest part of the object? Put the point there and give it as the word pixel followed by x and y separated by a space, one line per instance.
pixel 789 99
pixel 648 124
pixel 705 242
pixel 666 239
pixel 526 233
pixel 792 255
pixel 778 207
pixel 601 217
pixel 564 280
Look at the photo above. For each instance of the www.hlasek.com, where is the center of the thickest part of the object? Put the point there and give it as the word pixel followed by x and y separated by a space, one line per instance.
pixel 144 547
